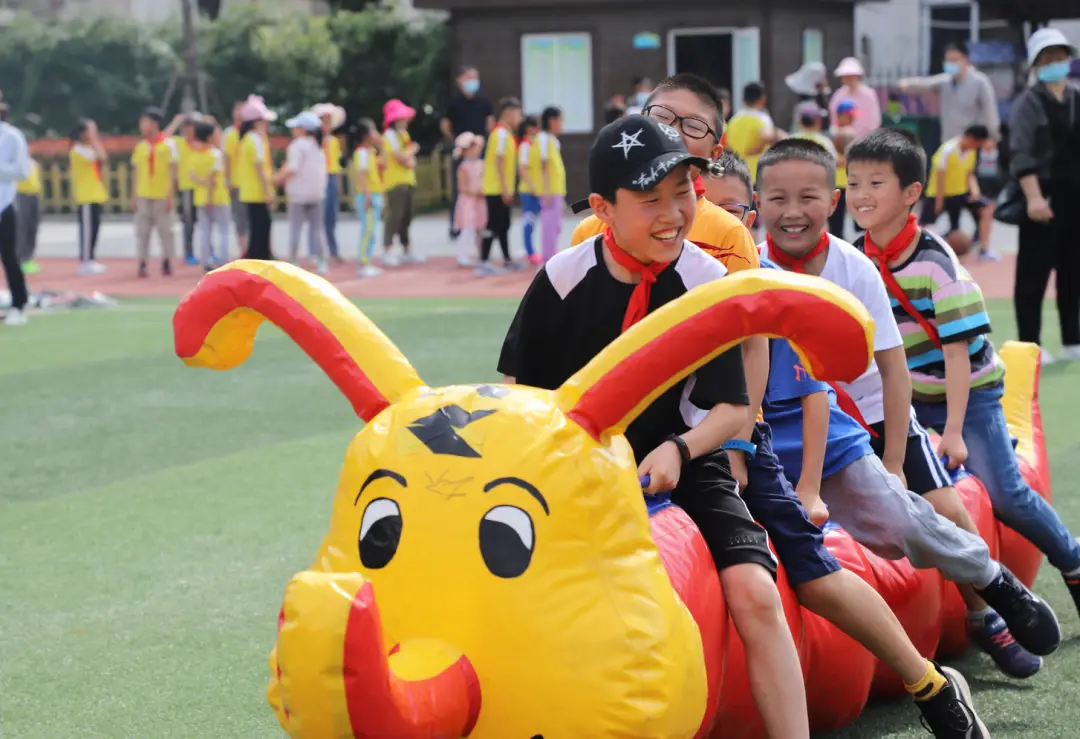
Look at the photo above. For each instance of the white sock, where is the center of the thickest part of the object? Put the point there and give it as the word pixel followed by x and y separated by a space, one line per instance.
pixel 1072 573
pixel 977 617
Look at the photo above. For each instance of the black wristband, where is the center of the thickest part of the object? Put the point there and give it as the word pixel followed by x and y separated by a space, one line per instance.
pixel 684 450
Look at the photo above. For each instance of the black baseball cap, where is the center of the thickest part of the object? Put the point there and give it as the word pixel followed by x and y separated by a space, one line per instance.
pixel 635 152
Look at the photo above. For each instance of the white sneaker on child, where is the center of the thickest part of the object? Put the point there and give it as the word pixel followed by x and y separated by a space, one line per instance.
pixel 91 268
pixel 487 270
pixel 1070 353
pixel 14 317
pixel 465 262
pixel 411 258
pixel 391 260
pixel 368 270
pixel 321 268
pixel 1045 357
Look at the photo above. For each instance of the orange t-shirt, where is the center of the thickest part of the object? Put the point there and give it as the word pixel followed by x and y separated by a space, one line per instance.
pixel 715 231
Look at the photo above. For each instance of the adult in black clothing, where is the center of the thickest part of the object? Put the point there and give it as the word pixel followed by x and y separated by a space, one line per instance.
pixel 1044 155
pixel 468 110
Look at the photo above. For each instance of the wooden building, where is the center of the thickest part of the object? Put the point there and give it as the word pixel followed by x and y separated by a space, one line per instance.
pixel 577 53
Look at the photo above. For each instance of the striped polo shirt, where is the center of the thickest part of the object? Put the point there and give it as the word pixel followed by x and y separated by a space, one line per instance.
pixel 946 295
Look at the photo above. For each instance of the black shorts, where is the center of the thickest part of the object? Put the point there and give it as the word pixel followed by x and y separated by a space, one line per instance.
pixel 710 496
pixel 800 544
pixel 954 206
pixel 924 471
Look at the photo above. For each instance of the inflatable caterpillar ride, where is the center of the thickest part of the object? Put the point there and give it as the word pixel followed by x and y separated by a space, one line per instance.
pixel 491 569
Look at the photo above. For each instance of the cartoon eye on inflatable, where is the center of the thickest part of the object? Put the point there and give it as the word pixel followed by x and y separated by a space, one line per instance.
pixel 380 533
pixel 507 539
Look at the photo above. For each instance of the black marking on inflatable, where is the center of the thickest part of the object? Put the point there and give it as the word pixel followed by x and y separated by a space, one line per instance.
pixel 438 431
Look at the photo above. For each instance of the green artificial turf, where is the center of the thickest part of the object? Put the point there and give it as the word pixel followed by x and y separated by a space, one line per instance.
pixel 151 514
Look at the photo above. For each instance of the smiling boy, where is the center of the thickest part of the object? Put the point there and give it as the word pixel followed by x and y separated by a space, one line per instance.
pixel 957 377
pixel 692 106
pixel 868 496
pixel 582 299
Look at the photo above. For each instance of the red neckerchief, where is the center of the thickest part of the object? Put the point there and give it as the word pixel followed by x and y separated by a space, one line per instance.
pixel 638 307
pixel 153 150
pixel 785 260
pixel 882 257
pixel 699 186
pixel 796 264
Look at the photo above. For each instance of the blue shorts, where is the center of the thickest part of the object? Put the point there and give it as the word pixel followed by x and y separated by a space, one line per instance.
pixel 800 545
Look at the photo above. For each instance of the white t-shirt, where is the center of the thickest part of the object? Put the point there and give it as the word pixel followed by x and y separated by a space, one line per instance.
pixel 305 159
pixel 852 270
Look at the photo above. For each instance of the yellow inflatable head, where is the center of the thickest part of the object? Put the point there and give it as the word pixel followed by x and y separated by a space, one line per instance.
pixel 489 571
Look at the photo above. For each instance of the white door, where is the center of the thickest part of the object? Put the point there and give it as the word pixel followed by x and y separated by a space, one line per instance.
pixel 745 60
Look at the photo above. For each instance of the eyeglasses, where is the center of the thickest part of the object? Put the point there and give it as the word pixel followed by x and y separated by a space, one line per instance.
pixel 739 210
pixel 695 128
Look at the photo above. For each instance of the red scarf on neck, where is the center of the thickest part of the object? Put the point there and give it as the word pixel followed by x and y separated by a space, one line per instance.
pixel 153 151
pixel 882 257
pixel 699 186
pixel 796 264
pixel 638 307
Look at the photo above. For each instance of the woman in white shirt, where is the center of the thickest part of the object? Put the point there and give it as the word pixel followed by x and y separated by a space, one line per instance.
pixel 304 176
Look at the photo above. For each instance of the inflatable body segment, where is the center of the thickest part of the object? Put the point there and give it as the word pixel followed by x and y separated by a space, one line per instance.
pixel 490 542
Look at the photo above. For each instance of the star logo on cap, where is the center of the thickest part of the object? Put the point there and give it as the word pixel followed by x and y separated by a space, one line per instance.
pixel 670 132
pixel 628 142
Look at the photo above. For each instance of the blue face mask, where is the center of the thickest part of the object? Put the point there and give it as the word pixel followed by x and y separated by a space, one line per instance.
pixel 471 87
pixel 641 98
pixel 1053 72
pixel 951 68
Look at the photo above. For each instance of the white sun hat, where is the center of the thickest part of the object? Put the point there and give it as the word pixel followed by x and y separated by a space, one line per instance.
pixel 1044 39
pixel 849 67
pixel 807 78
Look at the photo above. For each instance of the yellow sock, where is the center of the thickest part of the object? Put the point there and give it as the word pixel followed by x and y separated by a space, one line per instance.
pixel 929 685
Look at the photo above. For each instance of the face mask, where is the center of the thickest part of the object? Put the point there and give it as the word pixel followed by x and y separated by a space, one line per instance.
pixel 951 68
pixel 1053 72
pixel 641 98
pixel 471 87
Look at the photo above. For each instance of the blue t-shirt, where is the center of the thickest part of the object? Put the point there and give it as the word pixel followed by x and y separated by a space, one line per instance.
pixel 789 383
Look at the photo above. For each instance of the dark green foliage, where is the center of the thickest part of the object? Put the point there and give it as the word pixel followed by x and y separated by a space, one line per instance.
pixel 54 73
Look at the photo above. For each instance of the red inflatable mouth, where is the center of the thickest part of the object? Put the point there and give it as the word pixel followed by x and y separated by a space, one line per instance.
pixel 381 704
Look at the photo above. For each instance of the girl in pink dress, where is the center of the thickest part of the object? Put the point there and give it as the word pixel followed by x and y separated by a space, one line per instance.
pixel 470 215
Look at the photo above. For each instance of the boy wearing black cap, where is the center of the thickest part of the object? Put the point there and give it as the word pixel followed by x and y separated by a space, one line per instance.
pixel 583 298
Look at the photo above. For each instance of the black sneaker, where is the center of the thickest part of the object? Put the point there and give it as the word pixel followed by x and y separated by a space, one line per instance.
pixel 166 268
pixel 1073 584
pixel 142 270
pixel 992 636
pixel 1030 619
pixel 950 714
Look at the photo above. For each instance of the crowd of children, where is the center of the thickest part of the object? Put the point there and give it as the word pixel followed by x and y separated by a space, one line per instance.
pixel 521 156
pixel 222 182
pixel 753 444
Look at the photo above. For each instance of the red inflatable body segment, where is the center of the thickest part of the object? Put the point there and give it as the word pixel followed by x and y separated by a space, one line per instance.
pixel 840 674
pixel 837 691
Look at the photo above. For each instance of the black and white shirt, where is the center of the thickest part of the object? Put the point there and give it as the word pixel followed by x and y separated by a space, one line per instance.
pixel 574 309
